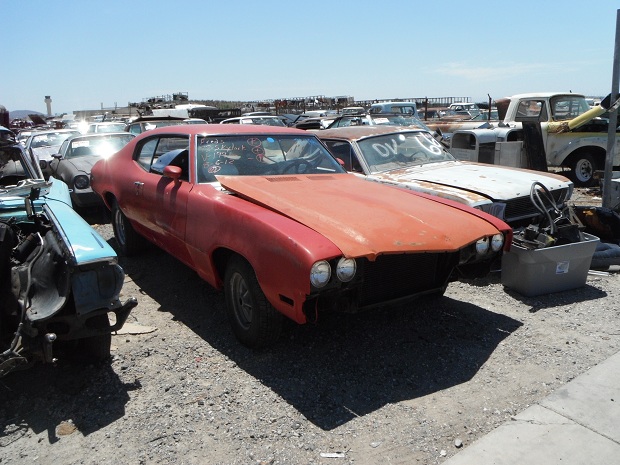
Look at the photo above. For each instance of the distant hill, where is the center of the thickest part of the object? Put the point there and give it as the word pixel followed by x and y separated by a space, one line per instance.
pixel 23 114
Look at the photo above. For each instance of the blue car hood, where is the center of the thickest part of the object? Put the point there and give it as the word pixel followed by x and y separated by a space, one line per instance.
pixel 83 243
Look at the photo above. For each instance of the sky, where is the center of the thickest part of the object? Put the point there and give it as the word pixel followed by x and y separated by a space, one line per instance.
pixel 88 54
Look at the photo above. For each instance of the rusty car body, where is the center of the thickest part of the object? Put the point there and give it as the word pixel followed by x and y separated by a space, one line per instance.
pixel 413 159
pixel 268 215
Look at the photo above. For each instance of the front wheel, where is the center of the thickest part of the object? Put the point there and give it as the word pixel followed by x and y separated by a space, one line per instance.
pixel 128 240
pixel 583 167
pixel 253 319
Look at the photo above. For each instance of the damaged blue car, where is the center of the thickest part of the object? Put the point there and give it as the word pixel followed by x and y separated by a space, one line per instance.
pixel 60 281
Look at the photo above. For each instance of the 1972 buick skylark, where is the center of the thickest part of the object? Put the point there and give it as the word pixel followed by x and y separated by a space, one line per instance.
pixel 59 279
pixel 271 217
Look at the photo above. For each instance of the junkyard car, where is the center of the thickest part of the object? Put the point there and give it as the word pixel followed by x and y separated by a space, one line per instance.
pixel 59 279
pixel 256 119
pixel 267 214
pixel 106 126
pixel 44 144
pixel 76 157
pixel 369 119
pixel 146 123
pixel 413 159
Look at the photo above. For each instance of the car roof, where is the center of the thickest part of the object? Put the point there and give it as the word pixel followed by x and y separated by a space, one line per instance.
pixel 50 131
pixel 544 95
pixel 99 135
pixel 361 132
pixel 223 129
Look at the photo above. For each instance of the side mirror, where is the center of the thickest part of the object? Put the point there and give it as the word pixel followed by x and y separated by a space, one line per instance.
pixel 57 156
pixel 173 172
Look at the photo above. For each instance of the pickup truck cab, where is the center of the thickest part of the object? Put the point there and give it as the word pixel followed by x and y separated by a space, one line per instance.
pixel 409 108
pixel 573 134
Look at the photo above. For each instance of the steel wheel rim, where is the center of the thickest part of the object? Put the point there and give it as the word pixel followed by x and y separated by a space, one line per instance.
pixel 120 226
pixel 584 170
pixel 241 301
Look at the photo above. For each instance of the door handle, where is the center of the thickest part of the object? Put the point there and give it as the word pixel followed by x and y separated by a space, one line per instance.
pixel 138 187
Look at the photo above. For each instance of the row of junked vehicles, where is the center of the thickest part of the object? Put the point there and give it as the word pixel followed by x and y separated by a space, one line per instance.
pixel 283 220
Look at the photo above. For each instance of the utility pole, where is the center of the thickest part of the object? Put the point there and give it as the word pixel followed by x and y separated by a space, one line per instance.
pixel 613 122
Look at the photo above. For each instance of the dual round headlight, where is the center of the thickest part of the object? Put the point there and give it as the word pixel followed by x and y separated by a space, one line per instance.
pixel 321 271
pixel 495 243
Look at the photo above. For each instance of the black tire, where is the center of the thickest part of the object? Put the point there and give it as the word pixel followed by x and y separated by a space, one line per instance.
pixel 128 240
pixel 97 348
pixel 254 321
pixel 583 166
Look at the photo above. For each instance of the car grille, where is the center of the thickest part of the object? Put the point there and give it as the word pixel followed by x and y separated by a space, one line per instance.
pixel 522 207
pixel 396 276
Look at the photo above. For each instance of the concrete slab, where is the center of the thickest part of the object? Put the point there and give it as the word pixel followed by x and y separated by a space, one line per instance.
pixel 592 399
pixel 579 424
pixel 539 436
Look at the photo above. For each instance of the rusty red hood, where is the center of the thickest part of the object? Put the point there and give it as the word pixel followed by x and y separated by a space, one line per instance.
pixel 363 218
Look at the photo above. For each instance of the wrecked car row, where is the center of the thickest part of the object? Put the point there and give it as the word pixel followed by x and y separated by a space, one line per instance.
pixel 268 215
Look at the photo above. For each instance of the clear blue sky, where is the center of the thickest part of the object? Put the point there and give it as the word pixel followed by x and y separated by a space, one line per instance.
pixel 86 54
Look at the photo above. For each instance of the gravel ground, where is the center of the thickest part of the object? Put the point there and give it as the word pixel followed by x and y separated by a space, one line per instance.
pixel 410 384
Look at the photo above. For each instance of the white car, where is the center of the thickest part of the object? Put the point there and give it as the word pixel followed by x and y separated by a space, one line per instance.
pixel 256 119
pixel 411 158
pixel 43 144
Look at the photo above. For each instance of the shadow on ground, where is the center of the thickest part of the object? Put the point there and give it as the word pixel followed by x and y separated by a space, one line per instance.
pixel 346 365
pixel 44 396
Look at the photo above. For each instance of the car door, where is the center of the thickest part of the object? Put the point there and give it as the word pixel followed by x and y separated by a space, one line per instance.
pixel 161 202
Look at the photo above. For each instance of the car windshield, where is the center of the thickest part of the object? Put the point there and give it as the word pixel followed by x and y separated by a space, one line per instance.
pixel 567 107
pixel 50 139
pixel 102 146
pixel 401 150
pixel 262 155
pixel 12 167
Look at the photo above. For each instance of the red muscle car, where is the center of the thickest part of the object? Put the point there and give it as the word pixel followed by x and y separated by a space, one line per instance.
pixel 270 217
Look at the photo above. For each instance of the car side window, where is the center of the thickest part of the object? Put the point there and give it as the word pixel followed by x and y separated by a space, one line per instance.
pixel 149 152
pixel 344 152
pixel 146 152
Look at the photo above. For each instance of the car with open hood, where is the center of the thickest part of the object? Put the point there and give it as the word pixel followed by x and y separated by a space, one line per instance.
pixel 412 158
pixel 269 216
pixel 59 279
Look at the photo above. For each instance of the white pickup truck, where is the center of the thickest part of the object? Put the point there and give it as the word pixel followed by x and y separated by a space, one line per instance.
pixel 573 134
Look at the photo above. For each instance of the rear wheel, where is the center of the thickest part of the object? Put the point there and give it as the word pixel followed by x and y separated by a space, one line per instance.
pixel 128 240
pixel 253 319
pixel 583 166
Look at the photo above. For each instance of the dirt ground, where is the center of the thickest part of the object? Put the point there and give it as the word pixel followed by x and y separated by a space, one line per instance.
pixel 403 385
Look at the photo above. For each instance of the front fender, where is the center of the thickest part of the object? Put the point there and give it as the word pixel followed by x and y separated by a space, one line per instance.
pixel 280 250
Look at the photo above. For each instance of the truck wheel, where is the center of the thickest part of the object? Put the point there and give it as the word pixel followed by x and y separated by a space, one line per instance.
pixel 128 240
pixel 253 319
pixel 97 348
pixel 583 166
